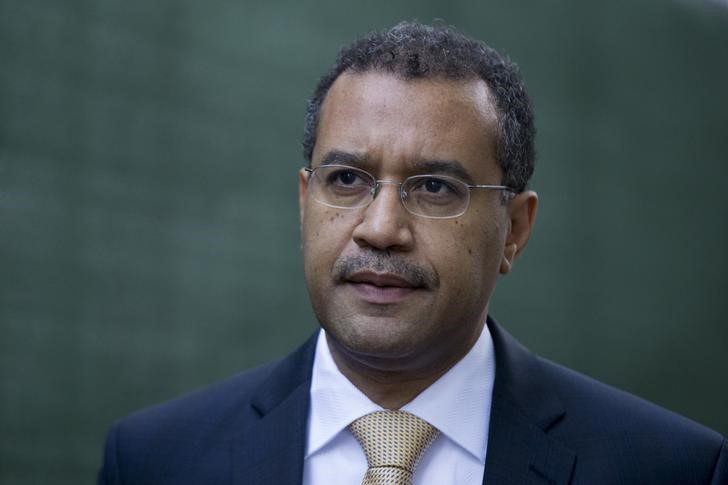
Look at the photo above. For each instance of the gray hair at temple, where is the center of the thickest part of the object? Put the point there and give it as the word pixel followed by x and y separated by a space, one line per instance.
pixel 414 51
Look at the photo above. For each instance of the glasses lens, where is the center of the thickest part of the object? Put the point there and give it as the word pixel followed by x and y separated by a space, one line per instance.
pixel 342 186
pixel 435 196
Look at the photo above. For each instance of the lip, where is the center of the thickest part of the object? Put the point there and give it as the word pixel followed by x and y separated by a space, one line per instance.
pixel 380 288
pixel 380 279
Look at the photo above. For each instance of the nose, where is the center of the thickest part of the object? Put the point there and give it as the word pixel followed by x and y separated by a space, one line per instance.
pixel 385 223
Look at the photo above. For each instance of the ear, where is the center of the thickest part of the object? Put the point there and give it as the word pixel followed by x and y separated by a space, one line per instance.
pixel 302 188
pixel 522 213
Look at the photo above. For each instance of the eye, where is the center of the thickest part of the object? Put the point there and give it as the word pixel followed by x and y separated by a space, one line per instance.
pixel 345 177
pixel 433 186
pixel 434 195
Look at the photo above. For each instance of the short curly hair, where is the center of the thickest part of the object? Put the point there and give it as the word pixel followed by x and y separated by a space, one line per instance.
pixel 411 51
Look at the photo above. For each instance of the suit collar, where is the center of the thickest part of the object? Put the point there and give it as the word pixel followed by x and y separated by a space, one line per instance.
pixel 525 407
pixel 271 449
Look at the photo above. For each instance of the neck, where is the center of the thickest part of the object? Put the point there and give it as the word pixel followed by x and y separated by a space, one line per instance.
pixel 389 389
pixel 391 384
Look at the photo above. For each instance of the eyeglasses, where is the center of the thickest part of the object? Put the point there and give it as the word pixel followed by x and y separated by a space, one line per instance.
pixel 431 196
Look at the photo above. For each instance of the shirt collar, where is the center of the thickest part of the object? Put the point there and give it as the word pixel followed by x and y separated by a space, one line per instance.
pixel 458 403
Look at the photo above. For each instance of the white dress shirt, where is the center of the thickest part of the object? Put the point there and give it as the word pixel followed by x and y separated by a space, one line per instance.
pixel 458 404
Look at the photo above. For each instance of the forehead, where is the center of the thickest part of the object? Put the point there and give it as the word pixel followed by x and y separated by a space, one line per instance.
pixel 398 123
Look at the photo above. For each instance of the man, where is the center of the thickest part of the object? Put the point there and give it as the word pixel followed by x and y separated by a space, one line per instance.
pixel 420 147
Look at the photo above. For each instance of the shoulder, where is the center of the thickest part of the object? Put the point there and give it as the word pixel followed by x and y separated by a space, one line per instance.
pixel 624 435
pixel 594 404
pixel 153 443
pixel 613 436
pixel 218 401
pixel 199 428
pixel 232 399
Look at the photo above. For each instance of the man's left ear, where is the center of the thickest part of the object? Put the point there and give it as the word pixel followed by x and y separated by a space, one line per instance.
pixel 522 212
pixel 302 187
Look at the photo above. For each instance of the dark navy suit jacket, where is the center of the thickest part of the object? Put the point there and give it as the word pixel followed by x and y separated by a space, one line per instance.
pixel 548 425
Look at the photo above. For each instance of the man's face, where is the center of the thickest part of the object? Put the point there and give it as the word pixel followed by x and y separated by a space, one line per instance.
pixel 395 291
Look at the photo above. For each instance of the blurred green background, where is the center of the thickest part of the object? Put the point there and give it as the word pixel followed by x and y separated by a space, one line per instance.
pixel 148 208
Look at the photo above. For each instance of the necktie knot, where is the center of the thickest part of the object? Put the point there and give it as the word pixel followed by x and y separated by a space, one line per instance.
pixel 393 443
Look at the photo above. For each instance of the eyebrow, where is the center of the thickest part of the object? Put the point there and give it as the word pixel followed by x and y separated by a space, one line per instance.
pixel 446 167
pixel 344 158
pixel 425 166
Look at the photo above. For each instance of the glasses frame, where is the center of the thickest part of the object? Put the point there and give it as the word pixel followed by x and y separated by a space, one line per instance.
pixel 377 184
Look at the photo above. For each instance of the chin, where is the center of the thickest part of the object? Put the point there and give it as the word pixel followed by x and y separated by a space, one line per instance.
pixel 375 337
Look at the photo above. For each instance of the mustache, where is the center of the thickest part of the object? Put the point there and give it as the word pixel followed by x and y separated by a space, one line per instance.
pixel 384 262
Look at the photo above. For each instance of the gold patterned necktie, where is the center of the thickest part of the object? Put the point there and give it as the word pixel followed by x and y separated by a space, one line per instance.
pixel 393 442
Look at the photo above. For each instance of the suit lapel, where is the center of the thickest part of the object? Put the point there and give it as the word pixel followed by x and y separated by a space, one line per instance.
pixel 271 449
pixel 524 409
pixel 520 450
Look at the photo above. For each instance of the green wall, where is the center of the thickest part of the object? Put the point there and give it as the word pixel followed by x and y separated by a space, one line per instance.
pixel 148 207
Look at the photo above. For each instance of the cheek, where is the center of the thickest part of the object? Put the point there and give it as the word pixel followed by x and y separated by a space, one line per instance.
pixel 324 233
pixel 470 252
pixel 450 251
